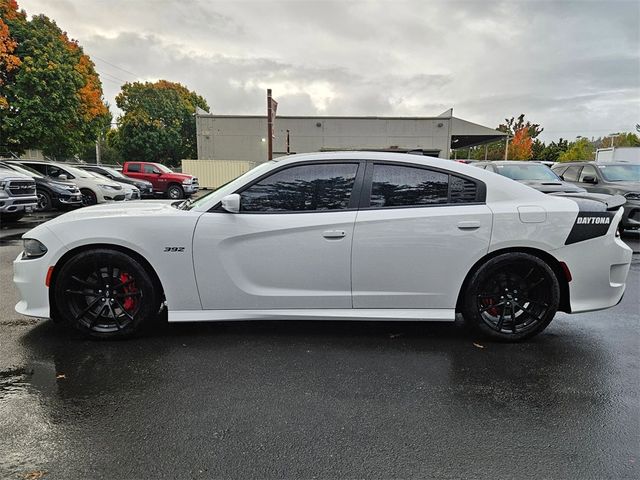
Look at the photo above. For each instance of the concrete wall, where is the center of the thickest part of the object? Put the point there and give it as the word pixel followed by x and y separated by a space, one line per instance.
pixel 213 173
pixel 241 138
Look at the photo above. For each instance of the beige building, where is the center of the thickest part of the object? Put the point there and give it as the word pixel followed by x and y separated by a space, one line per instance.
pixel 236 137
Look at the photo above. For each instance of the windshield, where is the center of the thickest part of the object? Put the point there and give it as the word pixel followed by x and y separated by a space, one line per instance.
pixel 76 172
pixel 189 204
pixel 24 169
pixel 162 168
pixel 528 172
pixel 621 173
pixel 114 172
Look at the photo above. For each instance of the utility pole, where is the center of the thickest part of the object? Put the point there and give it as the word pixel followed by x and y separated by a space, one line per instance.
pixel 271 113
pixel 288 143
pixel 98 151
pixel 506 149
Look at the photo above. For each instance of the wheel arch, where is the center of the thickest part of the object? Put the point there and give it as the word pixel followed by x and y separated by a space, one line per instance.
pixel 92 246
pixel 554 264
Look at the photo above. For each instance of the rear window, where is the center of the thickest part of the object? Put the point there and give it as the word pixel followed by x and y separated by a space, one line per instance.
pixel 133 167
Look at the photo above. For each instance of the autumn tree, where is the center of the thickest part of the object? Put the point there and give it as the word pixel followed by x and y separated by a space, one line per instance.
pixel 158 122
pixel 54 95
pixel 520 146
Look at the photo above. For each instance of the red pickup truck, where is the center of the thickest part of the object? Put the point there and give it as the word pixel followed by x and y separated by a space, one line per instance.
pixel 165 182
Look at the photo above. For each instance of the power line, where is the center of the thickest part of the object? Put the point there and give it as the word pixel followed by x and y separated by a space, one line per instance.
pixel 115 66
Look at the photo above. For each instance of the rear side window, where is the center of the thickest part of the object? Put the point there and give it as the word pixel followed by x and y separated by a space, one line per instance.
pixel 394 186
pixel 397 185
pixel 39 167
pixel 571 174
pixel 133 167
pixel 302 188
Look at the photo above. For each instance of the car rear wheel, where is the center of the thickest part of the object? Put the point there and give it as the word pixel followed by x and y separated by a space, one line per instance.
pixel 511 297
pixel 105 294
pixel 175 192
pixel 88 197
pixel 44 202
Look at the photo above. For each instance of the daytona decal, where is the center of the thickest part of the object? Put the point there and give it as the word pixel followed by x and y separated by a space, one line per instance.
pixel 589 225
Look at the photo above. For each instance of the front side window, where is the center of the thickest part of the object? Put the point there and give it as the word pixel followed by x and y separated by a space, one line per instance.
pixel 571 174
pixel 151 169
pixel 588 171
pixel 302 188
pixel 395 185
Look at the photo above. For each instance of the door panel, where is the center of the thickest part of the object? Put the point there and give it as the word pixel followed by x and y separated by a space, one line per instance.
pixel 270 261
pixel 416 257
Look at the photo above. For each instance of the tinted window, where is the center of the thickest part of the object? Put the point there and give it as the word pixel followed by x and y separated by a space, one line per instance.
pixel 302 188
pixel 133 167
pixel 525 171
pixel 571 173
pixel 621 173
pixel 55 171
pixel 150 169
pixel 588 171
pixel 395 185
pixel 38 167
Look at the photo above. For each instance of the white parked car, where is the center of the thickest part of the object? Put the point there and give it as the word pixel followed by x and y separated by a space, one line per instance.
pixel 94 190
pixel 342 235
pixel 131 192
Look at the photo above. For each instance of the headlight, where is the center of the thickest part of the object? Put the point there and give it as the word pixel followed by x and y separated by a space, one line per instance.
pixel 110 187
pixel 186 182
pixel 632 196
pixel 32 248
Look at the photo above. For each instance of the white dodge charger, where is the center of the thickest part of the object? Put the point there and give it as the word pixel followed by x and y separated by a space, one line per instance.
pixel 342 235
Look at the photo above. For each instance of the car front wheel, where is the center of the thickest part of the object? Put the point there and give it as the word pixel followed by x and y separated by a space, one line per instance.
pixel 105 294
pixel 88 197
pixel 175 192
pixel 511 297
pixel 44 202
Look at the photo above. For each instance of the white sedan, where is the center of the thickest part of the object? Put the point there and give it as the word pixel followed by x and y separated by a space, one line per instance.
pixel 342 235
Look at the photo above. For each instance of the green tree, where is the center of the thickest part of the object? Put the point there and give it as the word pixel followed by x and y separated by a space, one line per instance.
pixel 158 122
pixel 54 97
pixel 537 149
pixel 624 139
pixel 580 150
pixel 551 152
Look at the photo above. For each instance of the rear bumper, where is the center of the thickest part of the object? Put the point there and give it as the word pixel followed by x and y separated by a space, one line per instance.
pixel 599 269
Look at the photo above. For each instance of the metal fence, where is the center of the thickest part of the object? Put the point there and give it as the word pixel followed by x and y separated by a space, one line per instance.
pixel 213 173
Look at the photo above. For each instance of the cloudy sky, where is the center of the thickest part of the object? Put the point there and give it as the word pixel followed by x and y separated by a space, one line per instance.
pixel 573 66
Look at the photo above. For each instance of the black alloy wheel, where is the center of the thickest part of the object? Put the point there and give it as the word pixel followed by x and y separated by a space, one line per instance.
pixel 512 297
pixel 105 293
pixel 44 201
pixel 88 197
pixel 175 192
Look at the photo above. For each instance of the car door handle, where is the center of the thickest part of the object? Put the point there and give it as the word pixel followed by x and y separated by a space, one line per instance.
pixel 334 234
pixel 469 225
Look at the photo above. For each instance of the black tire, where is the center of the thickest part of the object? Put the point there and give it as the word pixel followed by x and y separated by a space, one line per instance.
pixel 511 297
pixel 44 201
pixel 175 192
pixel 105 294
pixel 88 197
pixel 11 217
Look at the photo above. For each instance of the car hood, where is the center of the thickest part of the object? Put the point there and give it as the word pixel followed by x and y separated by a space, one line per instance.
pixel 551 186
pixel 626 186
pixel 136 208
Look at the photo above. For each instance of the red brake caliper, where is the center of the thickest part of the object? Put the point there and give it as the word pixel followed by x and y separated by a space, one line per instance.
pixel 129 302
pixel 492 311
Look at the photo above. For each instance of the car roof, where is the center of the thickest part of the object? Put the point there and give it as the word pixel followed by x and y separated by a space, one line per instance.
pixel 511 162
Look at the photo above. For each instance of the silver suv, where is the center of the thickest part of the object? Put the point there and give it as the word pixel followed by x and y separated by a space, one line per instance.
pixel 17 195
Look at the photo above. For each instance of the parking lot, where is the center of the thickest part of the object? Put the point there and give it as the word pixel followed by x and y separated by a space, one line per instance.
pixel 319 399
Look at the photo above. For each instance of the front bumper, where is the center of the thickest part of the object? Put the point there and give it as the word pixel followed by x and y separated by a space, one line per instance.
pixel 599 268
pixel 29 276
pixel 631 217
pixel 190 188
pixel 18 204
pixel 68 199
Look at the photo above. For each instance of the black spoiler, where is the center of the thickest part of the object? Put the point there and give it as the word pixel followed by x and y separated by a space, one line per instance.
pixel 612 202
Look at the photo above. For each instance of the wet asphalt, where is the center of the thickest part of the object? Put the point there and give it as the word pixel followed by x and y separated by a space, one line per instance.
pixel 320 399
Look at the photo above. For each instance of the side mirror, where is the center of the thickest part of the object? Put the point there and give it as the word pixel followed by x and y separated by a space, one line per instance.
pixel 62 177
pixel 231 203
pixel 589 179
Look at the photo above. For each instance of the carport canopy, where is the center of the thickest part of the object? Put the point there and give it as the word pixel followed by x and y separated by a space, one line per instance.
pixel 468 134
